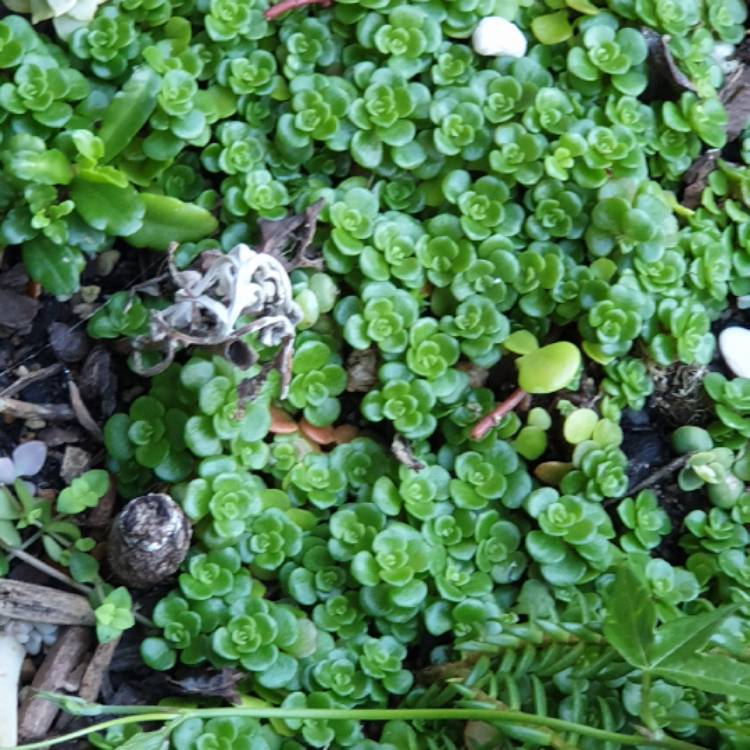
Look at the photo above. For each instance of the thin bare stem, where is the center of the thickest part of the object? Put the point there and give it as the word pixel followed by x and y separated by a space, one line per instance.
pixel 286 5
pixel 58 575
pixel 484 425
pixel 489 714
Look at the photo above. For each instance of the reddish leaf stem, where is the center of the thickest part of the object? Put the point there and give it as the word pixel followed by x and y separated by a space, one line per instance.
pixel 484 425
pixel 285 5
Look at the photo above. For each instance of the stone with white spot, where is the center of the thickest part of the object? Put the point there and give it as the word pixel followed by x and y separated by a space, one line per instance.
pixel 734 345
pixel 496 36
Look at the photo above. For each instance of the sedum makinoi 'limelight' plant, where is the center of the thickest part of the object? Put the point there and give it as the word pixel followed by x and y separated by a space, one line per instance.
pixel 456 277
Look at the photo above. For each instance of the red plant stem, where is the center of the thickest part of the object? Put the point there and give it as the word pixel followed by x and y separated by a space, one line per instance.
pixel 484 425
pixel 280 8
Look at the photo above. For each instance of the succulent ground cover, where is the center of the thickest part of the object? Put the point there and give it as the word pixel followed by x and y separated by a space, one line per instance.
pixel 423 344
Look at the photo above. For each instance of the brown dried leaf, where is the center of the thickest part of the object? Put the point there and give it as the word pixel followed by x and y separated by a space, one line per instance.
pixel 665 78
pixel 292 236
pixel 696 177
pixel 361 368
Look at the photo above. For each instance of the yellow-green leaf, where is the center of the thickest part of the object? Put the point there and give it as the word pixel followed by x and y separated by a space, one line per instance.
pixel 550 368
pixel 552 28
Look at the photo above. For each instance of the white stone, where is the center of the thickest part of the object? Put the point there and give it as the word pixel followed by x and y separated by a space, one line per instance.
pixel 734 345
pixel 497 36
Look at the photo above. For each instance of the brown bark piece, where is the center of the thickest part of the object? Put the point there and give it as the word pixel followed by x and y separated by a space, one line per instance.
pixel 735 96
pixel 27 601
pixel 36 715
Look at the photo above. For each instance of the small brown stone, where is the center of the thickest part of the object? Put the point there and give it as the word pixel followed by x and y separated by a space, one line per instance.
pixel 148 541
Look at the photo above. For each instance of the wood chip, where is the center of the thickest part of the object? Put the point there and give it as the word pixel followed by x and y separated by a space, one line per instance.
pixel 93 677
pixel 90 684
pixel 27 601
pixel 36 716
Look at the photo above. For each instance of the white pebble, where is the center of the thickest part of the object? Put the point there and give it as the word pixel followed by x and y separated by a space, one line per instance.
pixel 497 36
pixel 734 345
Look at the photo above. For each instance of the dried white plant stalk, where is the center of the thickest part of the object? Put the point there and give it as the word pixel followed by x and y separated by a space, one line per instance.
pixel 235 294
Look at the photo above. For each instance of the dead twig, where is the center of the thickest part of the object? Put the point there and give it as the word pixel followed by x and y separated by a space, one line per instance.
pixel 30 377
pixel 484 425
pixel 25 410
pixel 41 566
pixel 660 474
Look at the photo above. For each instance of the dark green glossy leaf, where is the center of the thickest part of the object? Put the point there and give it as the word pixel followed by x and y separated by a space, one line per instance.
pixel 631 616
pixel 129 111
pixel 56 267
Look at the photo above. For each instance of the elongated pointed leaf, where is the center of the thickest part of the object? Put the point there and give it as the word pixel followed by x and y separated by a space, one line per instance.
pixel 631 617
pixel 129 111
pixel 168 220
pixel 711 673
pixel 686 636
